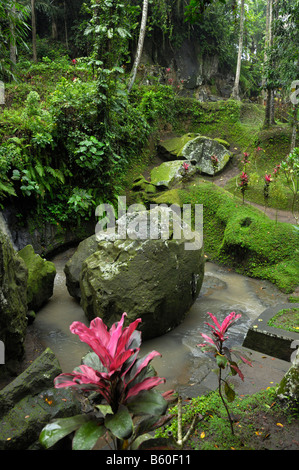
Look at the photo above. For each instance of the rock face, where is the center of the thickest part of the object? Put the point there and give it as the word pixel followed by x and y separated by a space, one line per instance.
pixel 13 301
pixel 73 267
pixel 288 389
pixel 201 149
pixel 156 280
pixel 30 402
pixel 198 150
pixel 41 275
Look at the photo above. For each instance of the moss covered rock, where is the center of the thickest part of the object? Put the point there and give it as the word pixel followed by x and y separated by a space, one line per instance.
pixel 41 275
pixel 73 267
pixel 13 301
pixel 172 148
pixel 156 280
pixel 200 151
pixel 197 149
pixel 288 389
pixel 30 402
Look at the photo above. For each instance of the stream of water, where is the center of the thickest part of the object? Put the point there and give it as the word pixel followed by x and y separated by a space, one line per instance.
pixel 182 361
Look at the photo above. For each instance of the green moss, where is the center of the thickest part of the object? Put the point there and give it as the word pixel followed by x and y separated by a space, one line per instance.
pixel 241 236
pixel 287 319
pixel 41 275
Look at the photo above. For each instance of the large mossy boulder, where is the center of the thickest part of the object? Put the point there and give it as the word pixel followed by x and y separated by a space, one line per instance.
pixel 201 149
pixel 13 302
pixel 156 280
pixel 171 149
pixel 30 402
pixel 198 150
pixel 73 267
pixel 41 275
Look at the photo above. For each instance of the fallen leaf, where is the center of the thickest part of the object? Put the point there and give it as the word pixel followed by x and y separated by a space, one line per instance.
pixel 202 435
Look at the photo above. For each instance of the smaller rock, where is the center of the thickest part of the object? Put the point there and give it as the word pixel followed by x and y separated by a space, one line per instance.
pixel 169 173
pixel 30 402
pixel 41 275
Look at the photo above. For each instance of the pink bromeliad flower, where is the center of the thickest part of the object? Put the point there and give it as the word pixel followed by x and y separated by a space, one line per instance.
pixel 119 375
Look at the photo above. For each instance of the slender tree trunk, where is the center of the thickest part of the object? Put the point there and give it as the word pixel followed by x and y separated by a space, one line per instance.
pixel 12 40
pixel 33 25
pixel 140 44
pixel 65 26
pixel 269 110
pixel 235 91
pixel 294 130
pixel 54 28
pixel 265 50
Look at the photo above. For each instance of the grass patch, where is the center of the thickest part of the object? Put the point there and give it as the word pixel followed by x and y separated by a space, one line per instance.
pixel 259 422
pixel 287 319
pixel 241 236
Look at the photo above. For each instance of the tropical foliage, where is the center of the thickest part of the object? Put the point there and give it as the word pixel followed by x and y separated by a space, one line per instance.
pixel 121 385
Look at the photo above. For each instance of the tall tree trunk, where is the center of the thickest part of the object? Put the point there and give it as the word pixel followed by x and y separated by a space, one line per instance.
pixel 12 40
pixel 65 26
pixel 140 44
pixel 265 49
pixel 235 91
pixel 33 25
pixel 269 110
pixel 294 130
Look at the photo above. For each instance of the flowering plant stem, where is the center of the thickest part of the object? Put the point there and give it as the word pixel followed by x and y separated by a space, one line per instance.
pixel 223 356
pixel 220 380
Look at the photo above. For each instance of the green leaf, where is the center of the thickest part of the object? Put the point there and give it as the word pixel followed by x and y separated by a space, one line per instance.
pixel 7 188
pixel 87 435
pixel 221 361
pixel 105 409
pixel 60 428
pixel 92 360
pixel 229 392
pixel 120 423
pixel 148 402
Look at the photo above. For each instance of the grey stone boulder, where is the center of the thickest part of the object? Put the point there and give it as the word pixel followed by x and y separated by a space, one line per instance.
pixel 198 150
pixel 30 402
pixel 13 303
pixel 73 267
pixel 41 275
pixel 156 280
